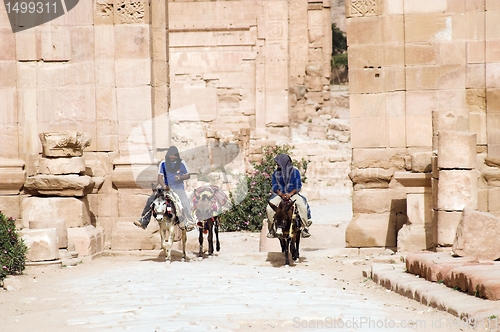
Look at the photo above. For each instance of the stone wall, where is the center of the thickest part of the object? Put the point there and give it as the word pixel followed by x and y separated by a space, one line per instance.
pixel 420 70
pixel 137 76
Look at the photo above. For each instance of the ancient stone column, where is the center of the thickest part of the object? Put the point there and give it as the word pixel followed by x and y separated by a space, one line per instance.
pixel 456 187
pixel 58 190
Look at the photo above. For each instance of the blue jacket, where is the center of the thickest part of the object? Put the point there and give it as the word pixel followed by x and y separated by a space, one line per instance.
pixel 169 177
pixel 279 184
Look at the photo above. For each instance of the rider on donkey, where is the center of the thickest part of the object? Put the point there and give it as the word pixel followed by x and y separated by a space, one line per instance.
pixel 172 173
pixel 286 185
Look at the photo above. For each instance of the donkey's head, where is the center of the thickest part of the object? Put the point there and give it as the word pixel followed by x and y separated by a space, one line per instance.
pixel 159 205
pixel 204 209
pixel 283 216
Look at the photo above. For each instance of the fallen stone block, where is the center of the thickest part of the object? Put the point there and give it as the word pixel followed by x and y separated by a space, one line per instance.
pixel 477 235
pixel 87 241
pixel 41 243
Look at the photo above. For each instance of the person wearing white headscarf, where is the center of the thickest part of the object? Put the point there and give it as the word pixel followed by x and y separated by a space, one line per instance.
pixel 286 184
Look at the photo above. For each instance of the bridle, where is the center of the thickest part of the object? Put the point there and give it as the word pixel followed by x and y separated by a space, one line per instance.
pixel 161 206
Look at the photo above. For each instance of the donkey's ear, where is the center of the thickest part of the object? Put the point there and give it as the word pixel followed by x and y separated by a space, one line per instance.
pixel 288 206
pixel 274 207
pixel 152 186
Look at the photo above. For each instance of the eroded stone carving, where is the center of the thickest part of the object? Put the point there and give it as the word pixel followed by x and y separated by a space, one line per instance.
pixel 63 144
pixel 357 8
pixel 104 9
pixel 130 11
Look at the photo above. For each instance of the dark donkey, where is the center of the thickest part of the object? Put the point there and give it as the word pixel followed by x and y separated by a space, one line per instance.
pixel 287 224
pixel 208 224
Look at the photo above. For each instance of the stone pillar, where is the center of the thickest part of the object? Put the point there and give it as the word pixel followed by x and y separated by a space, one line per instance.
pixel 456 185
pixel 59 189
pixel 12 176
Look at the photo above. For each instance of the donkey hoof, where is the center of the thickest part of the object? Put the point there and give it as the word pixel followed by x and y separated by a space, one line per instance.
pixel 200 258
pixel 168 262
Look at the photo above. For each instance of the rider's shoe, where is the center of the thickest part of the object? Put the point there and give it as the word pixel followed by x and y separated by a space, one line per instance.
pixel 305 233
pixel 309 222
pixel 271 235
pixel 139 224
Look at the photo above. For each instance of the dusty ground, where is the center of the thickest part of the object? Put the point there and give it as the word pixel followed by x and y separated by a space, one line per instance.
pixel 237 290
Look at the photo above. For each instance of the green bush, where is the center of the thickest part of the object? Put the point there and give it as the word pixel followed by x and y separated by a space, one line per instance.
pixel 339 40
pixel 12 249
pixel 253 192
pixel 340 60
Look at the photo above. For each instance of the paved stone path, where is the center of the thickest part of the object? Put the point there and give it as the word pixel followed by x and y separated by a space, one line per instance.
pixel 239 289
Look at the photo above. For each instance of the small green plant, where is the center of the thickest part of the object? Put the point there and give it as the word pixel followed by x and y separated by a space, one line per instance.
pixel 12 249
pixel 440 281
pixel 340 60
pixel 493 317
pixel 254 190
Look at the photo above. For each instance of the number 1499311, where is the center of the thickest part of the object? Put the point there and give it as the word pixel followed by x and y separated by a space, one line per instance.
pixel 31 7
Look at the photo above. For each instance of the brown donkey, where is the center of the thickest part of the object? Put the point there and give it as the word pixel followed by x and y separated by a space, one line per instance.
pixel 287 224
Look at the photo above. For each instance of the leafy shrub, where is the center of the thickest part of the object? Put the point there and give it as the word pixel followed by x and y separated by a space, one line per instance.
pixel 340 60
pixel 253 192
pixel 339 40
pixel 12 249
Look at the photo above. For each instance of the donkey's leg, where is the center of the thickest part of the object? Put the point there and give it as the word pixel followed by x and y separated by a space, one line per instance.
pixel 170 241
pixel 283 245
pixel 287 246
pixel 200 241
pixel 297 243
pixel 210 237
pixel 163 235
pixel 184 240
pixel 294 248
pixel 216 230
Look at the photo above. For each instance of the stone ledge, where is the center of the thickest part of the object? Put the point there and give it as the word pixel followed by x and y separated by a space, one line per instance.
pixel 475 277
pixel 461 305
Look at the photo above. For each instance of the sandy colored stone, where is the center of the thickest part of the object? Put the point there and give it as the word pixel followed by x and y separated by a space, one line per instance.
pixel 457 189
pixel 372 230
pixel 60 166
pixel 446 226
pixel 87 240
pixel 42 244
pixel 64 144
pixel 58 224
pixel 477 235
pixel 456 150
pixel 59 185
pixel 371 177
pixel 70 211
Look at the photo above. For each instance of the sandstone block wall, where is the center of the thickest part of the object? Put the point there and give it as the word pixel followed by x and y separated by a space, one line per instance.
pixel 415 71
pixel 139 76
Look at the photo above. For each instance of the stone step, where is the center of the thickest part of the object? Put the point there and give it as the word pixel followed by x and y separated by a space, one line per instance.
pixel 468 309
pixel 478 278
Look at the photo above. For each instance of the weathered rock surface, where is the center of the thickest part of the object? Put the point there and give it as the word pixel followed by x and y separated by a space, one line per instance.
pixel 477 235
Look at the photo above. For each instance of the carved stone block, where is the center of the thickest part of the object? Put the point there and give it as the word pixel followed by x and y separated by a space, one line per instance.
pixel 361 8
pixel 64 143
